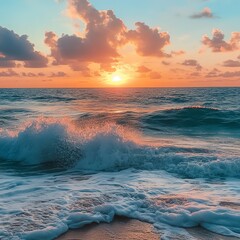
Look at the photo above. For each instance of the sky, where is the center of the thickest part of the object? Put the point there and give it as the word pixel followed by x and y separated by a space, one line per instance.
pixel 119 43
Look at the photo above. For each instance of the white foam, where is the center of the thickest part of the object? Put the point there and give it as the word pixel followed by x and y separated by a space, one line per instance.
pixel 49 204
pixel 63 201
pixel 109 148
pixel 49 233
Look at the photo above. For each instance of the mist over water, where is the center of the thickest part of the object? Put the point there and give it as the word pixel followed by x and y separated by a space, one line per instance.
pixel 69 157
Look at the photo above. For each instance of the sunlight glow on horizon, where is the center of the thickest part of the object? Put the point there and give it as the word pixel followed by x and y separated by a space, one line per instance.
pixel 120 77
pixel 116 79
pixel 120 47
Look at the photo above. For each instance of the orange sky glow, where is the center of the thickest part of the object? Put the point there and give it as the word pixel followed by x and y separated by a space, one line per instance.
pixel 103 49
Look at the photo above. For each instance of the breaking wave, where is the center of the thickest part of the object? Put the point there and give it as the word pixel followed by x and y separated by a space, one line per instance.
pixel 108 147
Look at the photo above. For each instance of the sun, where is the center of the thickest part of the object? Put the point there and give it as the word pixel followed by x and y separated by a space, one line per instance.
pixel 116 79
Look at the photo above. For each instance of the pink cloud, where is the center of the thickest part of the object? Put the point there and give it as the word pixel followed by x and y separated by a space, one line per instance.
pixel 102 38
pixel 104 34
pixel 166 63
pixel 148 73
pixel 230 74
pixel 149 41
pixel 231 63
pixel 8 73
pixel 218 44
pixel 143 69
pixel 41 74
pixel 51 41
pixel 216 73
pixel 178 53
pixel 58 74
pixel 6 63
pixel 192 63
pixel 195 74
pixel 155 75
pixel 205 13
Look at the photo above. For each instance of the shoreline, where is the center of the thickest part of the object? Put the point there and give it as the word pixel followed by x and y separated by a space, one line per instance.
pixel 130 229
pixel 120 229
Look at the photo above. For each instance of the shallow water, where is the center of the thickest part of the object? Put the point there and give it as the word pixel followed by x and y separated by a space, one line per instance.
pixel 70 157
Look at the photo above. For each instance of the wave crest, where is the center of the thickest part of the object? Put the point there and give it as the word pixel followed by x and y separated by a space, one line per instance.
pixel 108 147
pixel 203 118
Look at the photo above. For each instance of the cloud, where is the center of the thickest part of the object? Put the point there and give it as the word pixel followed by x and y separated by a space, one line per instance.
pixel 149 41
pixel 107 67
pixel 58 74
pixel 29 74
pixel 155 75
pixel 147 73
pixel 143 69
pixel 231 63
pixel 165 63
pixel 41 74
pixel 86 71
pixel 8 73
pixel 205 13
pixel 6 63
pixel 192 63
pixel 216 73
pixel 17 48
pixel 177 70
pixel 230 74
pixel 97 74
pixel 178 53
pixel 195 74
pixel 218 44
pixel 103 36
pixel 51 41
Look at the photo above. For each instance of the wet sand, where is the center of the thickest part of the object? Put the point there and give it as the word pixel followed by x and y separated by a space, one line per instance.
pixel 130 229
pixel 203 234
pixel 120 229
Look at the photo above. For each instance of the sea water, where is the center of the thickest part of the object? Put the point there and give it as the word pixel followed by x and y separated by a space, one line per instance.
pixel 166 156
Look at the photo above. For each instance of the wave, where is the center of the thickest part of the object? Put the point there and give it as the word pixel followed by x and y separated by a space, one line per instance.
pixel 108 147
pixel 104 197
pixel 218 221
pixel 203 118
pixel 50 98
pixel 12 114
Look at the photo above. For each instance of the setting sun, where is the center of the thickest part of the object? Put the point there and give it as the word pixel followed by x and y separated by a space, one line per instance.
pixel 116 79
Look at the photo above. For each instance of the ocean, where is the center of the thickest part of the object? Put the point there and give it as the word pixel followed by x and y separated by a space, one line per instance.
pixel 165 156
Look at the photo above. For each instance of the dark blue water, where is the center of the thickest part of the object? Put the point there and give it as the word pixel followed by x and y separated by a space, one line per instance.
pixel 168 156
